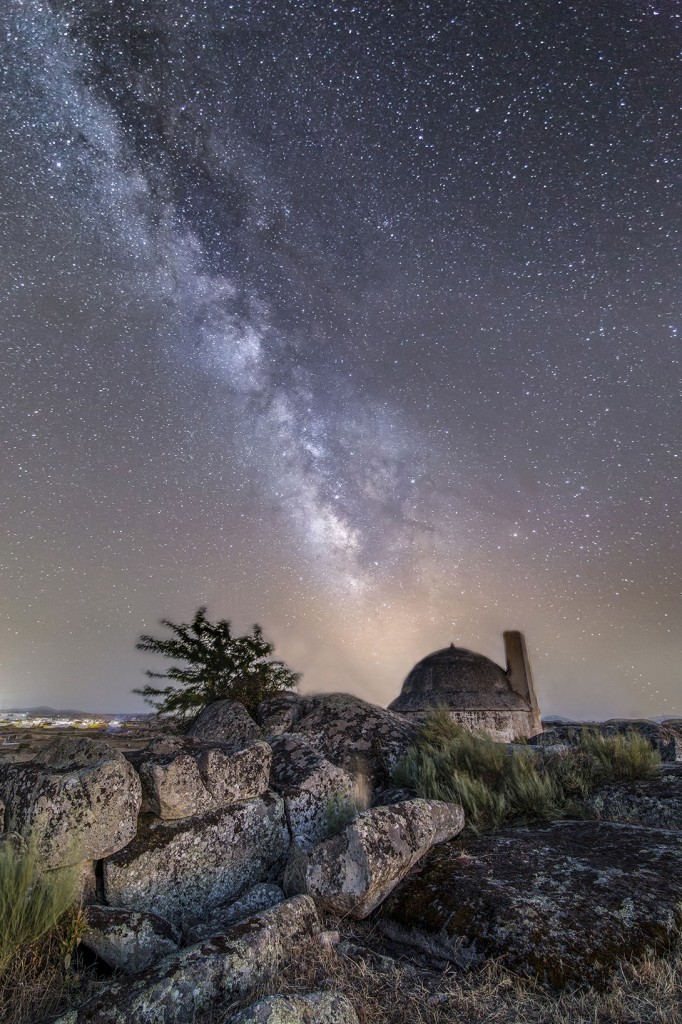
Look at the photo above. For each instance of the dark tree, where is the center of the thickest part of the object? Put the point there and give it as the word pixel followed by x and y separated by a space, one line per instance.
pixel 217 665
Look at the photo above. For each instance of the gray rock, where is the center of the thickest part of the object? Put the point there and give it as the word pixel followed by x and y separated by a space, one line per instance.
pixel 315 1008
pixel 359 737
pixel 184 868
pixel 656 803
pixel 354 871
pixel 202 979
pixel 666 737
pixel 565 902
pixel 280 714
pixel 128 940
pixel 311 785
pixel 215 921
pixel 226 721
pixel 186 777
pixel 78 799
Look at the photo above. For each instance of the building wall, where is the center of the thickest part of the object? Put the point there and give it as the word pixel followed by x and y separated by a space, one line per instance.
pixel 502 726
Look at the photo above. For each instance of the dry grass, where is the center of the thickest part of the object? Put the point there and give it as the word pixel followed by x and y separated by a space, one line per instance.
pixel 387 991
pixel 41 980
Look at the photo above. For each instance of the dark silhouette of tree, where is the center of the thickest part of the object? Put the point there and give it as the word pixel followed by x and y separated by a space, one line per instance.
pixel 217 665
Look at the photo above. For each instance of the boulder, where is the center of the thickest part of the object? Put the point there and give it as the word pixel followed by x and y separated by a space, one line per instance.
pixel 355 735
pixel 78 799
pixel 565 902
pixel 315 1008
pixel 225 721
pixel 182 869
pixel 186 777
pixel 128 940
pixel 352 872
pixel 217 920
pixel 656 803
pixel 311 786
pixel 666 737
pixel 280 714
pixel 201 980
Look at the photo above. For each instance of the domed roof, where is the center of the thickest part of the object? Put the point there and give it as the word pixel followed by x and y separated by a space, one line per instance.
pixel 461 680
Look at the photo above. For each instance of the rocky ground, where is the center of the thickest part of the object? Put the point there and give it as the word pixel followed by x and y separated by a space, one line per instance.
pixel 274 852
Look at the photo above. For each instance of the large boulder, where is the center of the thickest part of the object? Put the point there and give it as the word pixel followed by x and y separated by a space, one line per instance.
pixel 665 737
pixel 184 777
pixel 225 721
pixel 201 980
pixel 314 1008
pixel 128 940
pixel 311 786
pixel 183 868
pixel 351 873
pixel 565 902
pixel 355 735
pixel 78 800
pixel 280 714
pixel 218 919
pixel 656 803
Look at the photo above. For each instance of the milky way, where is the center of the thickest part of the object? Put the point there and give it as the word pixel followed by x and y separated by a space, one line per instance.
pixel 361 321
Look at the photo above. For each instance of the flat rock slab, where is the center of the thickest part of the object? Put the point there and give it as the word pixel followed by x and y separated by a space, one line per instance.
pixel 202 979
pixel 182 868
pixel 565 902
pixel 314 1008
pixel 656 803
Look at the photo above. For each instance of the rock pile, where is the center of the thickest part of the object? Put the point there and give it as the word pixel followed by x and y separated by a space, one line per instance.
pixel 205 857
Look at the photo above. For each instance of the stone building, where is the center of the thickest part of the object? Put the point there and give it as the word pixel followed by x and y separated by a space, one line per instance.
pixel 477 692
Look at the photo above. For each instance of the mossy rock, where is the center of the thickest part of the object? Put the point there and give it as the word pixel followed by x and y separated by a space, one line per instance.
pixel 565 902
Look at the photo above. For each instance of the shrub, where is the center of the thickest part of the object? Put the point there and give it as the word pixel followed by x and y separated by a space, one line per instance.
pixel 494 785
pixel 343 808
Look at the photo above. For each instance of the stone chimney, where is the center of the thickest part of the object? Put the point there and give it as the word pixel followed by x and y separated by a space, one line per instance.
pixel 520 675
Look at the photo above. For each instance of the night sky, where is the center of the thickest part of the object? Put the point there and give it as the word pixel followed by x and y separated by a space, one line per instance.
pixel 358 320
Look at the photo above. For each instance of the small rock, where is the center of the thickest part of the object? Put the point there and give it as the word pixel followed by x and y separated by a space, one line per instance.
pixel 128 940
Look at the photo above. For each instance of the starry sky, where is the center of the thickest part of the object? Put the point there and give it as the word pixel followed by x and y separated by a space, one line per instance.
pixel 358 320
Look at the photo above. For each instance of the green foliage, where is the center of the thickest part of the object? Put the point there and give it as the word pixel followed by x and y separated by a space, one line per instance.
pixel 32 902
pixel 217 665
pixel 623 757
pixel 494 785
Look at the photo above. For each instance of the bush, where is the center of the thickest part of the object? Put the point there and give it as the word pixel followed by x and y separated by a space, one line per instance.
pixel 447 762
